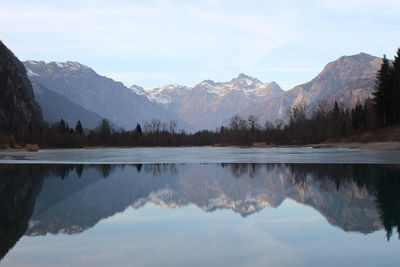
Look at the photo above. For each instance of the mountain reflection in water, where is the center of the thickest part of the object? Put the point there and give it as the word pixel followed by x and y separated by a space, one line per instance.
pixel 69 199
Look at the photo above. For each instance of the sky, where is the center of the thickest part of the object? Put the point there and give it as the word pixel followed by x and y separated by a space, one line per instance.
pixel 158 42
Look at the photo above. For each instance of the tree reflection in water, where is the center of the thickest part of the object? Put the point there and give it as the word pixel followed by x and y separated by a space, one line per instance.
pixel 41 199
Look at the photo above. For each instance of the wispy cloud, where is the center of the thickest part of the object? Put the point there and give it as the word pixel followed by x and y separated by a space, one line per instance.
pixel 198 39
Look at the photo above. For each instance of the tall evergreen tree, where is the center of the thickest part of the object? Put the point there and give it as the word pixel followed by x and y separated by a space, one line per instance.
pixel 358 118
pixel 138 130
pixel 383 93
pixel 105 131
pixel 336 111
pixel 396 87
pixel 79 128
pixel 62 127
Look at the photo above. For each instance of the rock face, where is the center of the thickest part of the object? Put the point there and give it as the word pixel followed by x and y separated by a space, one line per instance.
pixel 17 103
pixel 351 93
pixel 348 80
pixel 56 107
pixel 96 93
pixel 208 104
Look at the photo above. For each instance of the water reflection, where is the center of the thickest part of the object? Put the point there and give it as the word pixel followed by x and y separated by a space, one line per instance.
pixel 69 199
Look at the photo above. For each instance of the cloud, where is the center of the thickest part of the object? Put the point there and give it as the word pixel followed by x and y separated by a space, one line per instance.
pixel 174 38
pixel 162 30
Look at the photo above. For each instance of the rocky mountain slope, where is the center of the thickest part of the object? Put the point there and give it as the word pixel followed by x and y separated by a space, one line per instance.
pixel 209 103
pixel 56 107
pixel 163 95
pixel 348 80
pixel 17 103
pixel 96 93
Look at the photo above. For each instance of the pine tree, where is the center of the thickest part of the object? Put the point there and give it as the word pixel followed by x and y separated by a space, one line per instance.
pixel 396 87
pixel 336 111
pixel 138 130
pixel 79 128
pixel 105 131
pixel 358 117
pixel 383 93
pixel 62 127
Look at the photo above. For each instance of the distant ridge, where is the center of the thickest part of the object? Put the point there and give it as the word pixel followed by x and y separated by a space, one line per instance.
pixel 56 107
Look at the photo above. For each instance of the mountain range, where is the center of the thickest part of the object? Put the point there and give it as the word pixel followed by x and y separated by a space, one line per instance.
pixel 73 91
pixel 207 105
pixel 348 80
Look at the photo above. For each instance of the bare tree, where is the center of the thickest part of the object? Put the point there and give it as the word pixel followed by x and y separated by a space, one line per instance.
pixel 155 125
pixel 242 124
pixel 172 126
pixel 164 127
pixel 298 113
pixel 278 124
pixel 253 124
pixel 235 121
pixel 147 127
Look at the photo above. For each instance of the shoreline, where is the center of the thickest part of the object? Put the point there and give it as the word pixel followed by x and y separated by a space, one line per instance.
pixel 362 146
pixel 385 145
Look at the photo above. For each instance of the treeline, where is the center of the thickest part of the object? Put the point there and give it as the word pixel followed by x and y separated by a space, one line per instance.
pixel 62 135
pixel 304 126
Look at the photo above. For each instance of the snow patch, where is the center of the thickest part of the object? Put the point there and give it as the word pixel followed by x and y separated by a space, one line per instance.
pixel 250 87
pixel 166 94
pixel 31 73
pixel 69 65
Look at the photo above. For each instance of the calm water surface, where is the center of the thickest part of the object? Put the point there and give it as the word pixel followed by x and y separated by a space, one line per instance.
pixel 230 214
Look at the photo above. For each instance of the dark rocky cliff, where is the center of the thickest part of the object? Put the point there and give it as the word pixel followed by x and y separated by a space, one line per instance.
pixel 17 103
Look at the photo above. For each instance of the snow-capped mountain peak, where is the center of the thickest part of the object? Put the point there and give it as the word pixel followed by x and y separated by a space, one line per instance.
pixel 245 81
pixel 138 90
pixel 208 83
pixel 165 94
pixel 250 86
pixel 69 65
pixel 209 103
pixel 32 67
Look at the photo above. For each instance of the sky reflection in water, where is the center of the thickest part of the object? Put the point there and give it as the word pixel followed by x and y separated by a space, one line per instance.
pixel 200 214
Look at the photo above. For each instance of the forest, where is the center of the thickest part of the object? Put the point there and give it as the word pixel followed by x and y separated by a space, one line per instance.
pixel 304 126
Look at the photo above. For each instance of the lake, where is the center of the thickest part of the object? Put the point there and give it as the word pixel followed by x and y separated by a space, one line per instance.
pixel 200 207
pixel 201 155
